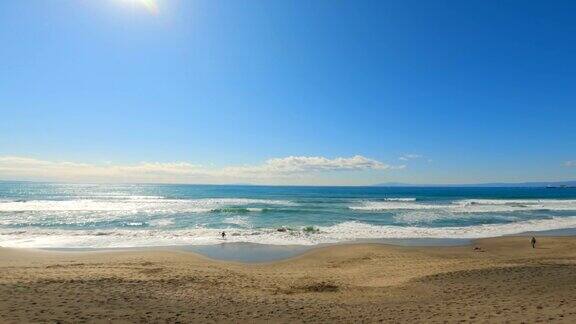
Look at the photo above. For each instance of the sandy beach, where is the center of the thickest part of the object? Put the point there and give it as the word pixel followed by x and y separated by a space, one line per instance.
pixel 492 280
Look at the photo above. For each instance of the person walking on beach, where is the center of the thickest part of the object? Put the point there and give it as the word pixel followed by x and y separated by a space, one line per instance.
pixel 533 242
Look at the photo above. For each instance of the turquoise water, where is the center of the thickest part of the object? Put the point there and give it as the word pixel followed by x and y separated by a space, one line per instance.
pixel 98 216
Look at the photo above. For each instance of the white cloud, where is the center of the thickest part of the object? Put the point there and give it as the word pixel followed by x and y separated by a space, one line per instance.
pixel 570 164
pixel 24 168
pixel 317 163
pixel 407 157
pixel 13 167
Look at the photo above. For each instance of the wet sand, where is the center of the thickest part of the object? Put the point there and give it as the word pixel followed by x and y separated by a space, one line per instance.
pixel 504 279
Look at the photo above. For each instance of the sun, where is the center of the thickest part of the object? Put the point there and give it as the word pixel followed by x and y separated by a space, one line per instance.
pixel 150 5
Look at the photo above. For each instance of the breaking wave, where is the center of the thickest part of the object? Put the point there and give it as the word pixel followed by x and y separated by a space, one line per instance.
pixel 471 205
pixel 342 232
pixel 142 205
pixel 130 210
pixel 400 199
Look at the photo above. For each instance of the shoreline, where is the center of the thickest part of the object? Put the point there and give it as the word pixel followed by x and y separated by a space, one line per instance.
pixel 247 252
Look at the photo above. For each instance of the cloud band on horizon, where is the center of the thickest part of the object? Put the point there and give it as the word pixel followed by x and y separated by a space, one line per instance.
pixel 286 168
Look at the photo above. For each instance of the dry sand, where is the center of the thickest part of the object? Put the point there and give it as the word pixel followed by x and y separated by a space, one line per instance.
pixel 506 281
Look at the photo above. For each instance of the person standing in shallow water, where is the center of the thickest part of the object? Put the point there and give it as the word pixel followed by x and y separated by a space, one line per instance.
pixel 533 242
pixel 223 235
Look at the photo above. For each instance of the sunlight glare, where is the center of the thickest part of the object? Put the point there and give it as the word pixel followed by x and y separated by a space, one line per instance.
pixel 150 5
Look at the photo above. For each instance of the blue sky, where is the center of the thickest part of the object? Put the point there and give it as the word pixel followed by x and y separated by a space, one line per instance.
pixel 288 91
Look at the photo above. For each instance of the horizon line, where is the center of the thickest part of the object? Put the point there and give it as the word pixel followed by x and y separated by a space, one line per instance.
pixel 523 184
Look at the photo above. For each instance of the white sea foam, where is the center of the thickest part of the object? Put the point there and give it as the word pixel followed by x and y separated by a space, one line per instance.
pixel 84 211
pixel 161 222
pixel 134 224
pixel 237 220
pixel 472 205
pixel 400 199
pixel 532 204
pixel 117 196
pixel 138 204
pixel 347 231
pixel 427 216
pixel 393 205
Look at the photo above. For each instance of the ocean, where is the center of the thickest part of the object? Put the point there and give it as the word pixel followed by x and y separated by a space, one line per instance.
pixel 52 215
